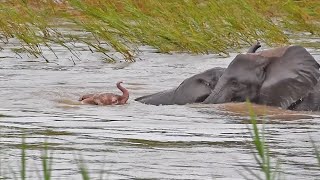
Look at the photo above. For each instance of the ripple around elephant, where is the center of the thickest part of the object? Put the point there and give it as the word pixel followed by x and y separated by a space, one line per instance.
pixel 106 98
pixel 192 90
pixel 285 77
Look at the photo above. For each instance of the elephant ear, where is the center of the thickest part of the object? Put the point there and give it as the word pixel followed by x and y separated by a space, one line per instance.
pixel 291 74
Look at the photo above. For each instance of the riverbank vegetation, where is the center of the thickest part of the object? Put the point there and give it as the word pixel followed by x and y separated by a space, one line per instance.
pixel 194 26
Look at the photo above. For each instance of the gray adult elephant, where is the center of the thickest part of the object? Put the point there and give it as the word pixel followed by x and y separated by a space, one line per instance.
pixel 192 90
pixel 286 77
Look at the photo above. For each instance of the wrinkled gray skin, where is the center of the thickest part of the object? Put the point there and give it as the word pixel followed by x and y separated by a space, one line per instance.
pixel 309 103
pixel 192 90
pixel 286 77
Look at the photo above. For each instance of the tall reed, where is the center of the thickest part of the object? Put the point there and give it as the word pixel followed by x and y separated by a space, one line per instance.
pixel 261 152
pixel 46 163
pixel 195 26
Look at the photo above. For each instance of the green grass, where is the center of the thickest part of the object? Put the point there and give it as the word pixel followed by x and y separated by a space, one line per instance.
pixel 262 155
pixel 261 151
pixel 194 26
pixel 83 169
pixel 316 151
pixel 46 163
pixel 23 160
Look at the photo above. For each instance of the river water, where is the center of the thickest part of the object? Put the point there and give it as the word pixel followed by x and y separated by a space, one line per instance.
pixel 136 141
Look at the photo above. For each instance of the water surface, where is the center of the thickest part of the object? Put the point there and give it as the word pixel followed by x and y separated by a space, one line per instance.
pixel 136 141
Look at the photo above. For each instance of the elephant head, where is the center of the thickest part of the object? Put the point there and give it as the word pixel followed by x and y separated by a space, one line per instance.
pixel 198 87
pixel 276 77
pixel 192 90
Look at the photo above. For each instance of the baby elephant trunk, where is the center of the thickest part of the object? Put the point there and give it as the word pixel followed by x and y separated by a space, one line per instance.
pixel 125 96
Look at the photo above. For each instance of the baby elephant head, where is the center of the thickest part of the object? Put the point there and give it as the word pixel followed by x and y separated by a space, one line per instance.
pixel 198 87
pixel 276 77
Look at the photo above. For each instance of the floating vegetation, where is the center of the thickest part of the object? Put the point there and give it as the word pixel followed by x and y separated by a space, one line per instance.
pixel 195 26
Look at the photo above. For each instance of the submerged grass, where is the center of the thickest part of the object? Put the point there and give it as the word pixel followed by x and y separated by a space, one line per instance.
pixel 196 26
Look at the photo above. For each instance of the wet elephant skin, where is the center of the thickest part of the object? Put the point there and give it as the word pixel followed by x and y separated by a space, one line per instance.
pixel 192 90
pixel 285 77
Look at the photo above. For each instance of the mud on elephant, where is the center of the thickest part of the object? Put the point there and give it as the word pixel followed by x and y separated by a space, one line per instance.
pixel 286 77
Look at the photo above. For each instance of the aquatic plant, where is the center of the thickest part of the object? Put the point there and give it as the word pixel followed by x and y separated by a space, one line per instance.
pixel 46 163
pixel 23 159
pixel 83 169
pixel 195 26
pixel 262 152
pixel 316 151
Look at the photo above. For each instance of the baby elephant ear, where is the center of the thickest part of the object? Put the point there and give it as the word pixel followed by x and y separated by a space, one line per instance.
pixel 290 76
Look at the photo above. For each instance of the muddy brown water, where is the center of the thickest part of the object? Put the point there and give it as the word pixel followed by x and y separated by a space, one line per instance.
pixel 138 141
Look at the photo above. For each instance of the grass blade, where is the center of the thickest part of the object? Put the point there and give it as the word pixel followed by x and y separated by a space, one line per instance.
pixel 23 159
pixel 263 157
pixel 83 169
pixel 316 151
pixel 46 163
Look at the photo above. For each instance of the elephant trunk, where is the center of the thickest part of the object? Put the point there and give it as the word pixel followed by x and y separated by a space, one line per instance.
pixel 125 96
pixel 218 95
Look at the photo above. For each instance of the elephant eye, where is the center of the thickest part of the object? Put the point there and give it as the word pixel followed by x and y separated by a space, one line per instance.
pixel 234 83
pixel 204 82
